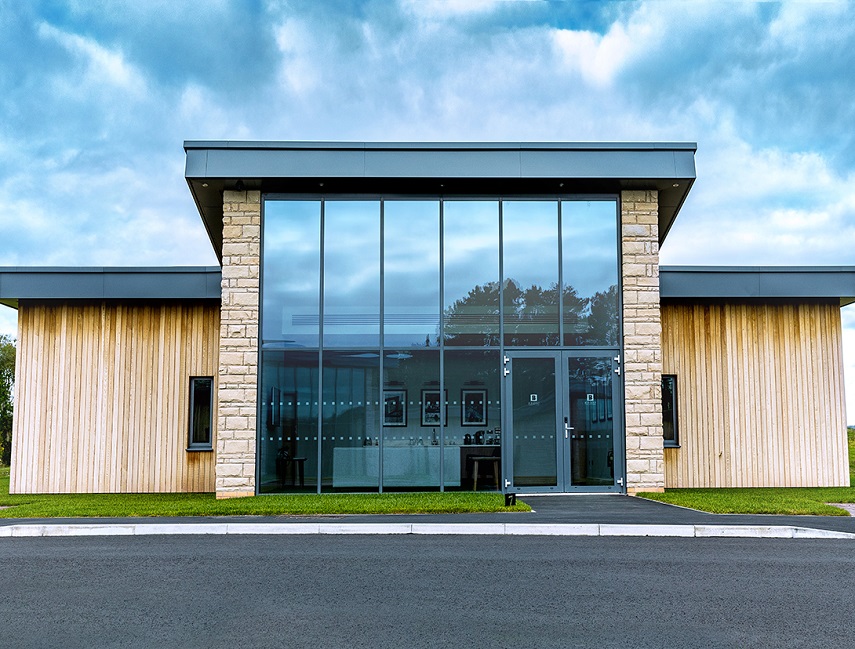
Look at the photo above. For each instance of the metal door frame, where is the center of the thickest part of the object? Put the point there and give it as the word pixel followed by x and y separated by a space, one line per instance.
pixel 562 409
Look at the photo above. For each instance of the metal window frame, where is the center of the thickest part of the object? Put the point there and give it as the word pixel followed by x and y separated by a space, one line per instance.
pixel 671 443
pixel 200 446
pixel 441 199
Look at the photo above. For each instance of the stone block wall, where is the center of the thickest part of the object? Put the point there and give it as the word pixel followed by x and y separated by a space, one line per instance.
pixel 238 371
pixel 642 360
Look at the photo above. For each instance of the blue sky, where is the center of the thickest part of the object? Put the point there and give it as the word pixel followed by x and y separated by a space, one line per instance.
pixel 97 97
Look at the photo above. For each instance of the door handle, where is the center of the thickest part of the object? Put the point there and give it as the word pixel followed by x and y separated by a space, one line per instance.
pixel 567 428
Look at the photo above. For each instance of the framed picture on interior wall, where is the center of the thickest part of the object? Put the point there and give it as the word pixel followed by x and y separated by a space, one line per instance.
pixel 395 408
pixel 473 407
pixel 432 406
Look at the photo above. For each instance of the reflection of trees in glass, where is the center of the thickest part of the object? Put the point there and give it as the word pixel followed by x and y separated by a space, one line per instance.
pixel 600 323
pixel 474 320
pixel 530 316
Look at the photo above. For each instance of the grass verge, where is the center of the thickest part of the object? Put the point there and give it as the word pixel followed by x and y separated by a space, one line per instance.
pixel 132 505
pixel 803 500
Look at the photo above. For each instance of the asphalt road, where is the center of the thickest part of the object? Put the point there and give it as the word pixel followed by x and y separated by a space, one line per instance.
pixel 414 591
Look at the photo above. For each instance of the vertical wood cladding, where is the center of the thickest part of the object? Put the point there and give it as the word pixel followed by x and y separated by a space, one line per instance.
pixel 102 397
pixel 760 395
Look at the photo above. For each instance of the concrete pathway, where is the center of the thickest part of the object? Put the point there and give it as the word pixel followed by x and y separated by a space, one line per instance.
pixel 574 515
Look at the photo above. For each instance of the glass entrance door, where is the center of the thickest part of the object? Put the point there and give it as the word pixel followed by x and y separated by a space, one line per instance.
pixel 562 414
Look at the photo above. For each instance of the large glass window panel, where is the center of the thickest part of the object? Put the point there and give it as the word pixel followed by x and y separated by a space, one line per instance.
pixel 351 421
pixel 592 458
pixel 590 271
pixel 471 273
pixel 291 277
pixel 474 428
pixel 530 263
pixel 411 274
pixel 412 413
pixel 288 429
pixel 351 274
pixel 533 423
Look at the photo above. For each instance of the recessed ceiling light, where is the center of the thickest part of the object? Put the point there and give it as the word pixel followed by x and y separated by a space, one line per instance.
pixel 204 184
pixel 676 185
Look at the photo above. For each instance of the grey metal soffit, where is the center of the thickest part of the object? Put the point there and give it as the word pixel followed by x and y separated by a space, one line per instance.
pixel 758 283
pixel 437 169
pixel 101 283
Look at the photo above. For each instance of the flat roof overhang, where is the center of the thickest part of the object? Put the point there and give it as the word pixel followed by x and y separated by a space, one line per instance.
pixel 757 283
pixel 677 283
pixel 436 169
pixel 103 283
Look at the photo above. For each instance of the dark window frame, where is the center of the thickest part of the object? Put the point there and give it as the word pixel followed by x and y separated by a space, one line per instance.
pixel 206 445
pixel 675 442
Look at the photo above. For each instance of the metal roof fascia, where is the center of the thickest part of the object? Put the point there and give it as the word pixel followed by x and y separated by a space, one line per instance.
pixel 470 160
pixel 196 163
pixel 442 164
pixel 647 164
pixel 97 283
pixel 758 282
pixel 438 146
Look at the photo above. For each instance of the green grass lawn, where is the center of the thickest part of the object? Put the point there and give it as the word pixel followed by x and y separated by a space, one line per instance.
pixel 803 500
pixel 117 505
pixel 720 501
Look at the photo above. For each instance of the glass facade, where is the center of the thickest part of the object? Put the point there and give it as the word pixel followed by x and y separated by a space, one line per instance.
pixel 384 324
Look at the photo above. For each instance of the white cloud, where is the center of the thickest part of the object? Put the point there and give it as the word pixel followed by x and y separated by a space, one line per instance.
pixel 298 43
pixel 600 58
pixel 796 21
pixel 765 207
pixel 204 117
pixel 445 9
pixel 103 66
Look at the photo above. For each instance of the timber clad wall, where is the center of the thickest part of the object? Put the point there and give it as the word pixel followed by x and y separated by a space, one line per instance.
pixel 102 397
pixel 759 395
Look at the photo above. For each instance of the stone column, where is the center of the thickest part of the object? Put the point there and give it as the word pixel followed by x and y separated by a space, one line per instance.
pixel 238 372
pixel 642 357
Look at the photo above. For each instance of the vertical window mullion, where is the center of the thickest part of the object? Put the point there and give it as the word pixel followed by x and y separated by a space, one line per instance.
pixel 382 377
pixel 442 417
pixel 320 416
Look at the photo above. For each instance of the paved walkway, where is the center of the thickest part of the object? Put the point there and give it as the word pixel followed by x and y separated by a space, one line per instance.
pixel 575 515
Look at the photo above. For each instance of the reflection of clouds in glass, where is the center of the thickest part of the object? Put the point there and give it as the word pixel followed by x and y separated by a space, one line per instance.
pixel 411 254
pixel 589 237
pixel 352 254
pixel 530 232
pixel 291 269
pixel 471 246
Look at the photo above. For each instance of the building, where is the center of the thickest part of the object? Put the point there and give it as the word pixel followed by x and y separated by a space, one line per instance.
pixel 430 316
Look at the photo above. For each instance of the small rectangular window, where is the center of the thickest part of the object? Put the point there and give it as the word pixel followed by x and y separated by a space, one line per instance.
pixel 669 410
pixel 201 407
